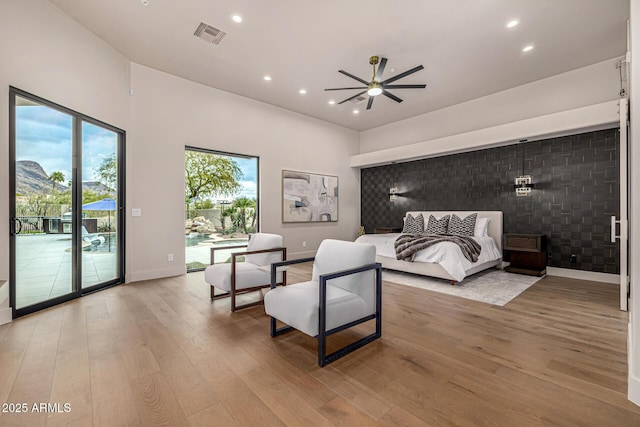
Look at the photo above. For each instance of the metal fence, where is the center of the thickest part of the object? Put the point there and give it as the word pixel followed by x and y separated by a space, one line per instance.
pixel 31 224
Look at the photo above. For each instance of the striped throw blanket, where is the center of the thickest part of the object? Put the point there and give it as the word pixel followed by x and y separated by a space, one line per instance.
pixel 408 244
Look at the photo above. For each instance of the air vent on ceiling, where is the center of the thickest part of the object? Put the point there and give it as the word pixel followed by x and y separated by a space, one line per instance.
pixel 358 99
pixel 209 34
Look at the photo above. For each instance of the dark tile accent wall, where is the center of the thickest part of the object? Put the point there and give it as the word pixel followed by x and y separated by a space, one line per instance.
pixel 576 191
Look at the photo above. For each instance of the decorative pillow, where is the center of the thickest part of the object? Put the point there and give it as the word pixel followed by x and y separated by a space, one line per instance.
pixel 462 227
pixel 413 225
pixel 481 227
pixel 437 225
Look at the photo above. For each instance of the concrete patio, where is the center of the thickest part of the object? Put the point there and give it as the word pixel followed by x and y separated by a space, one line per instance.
pixel 44 269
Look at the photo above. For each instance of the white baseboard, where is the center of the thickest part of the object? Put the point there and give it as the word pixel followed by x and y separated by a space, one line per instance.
pixel 584 275
pixel 5 315
pixel 634 389
pixel 633 382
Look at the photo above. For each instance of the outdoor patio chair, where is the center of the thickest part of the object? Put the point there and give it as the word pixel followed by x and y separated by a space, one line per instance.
pixel 252 274
pixel 345 290
pixel 92 238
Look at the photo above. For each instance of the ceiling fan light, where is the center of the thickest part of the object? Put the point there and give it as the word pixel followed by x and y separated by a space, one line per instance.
pixel 374 89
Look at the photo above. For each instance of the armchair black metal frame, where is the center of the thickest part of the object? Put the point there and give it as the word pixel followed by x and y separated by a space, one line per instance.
pixel 234 292
pixel 323 358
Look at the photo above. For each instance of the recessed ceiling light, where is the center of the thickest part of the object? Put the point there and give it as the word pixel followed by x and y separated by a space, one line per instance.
pixel 513 23
pixel 236 18
pixel 267 78
pixel 528 48
pixel 302 91
pixel 332 102
pixel 356 111
pixel 145 2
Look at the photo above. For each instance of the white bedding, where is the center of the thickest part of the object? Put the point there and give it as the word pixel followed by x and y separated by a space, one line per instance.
pixel 447 254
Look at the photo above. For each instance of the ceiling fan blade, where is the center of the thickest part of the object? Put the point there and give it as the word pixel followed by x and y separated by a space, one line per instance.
pixel 392 96
pixel 370 103
pixel 405 86
pixel 364 82
pixel 380 70
pixel 401 75
pixel 354 96
pixel 347 88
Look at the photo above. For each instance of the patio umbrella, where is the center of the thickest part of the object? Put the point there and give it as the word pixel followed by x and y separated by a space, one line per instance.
pixel 106 204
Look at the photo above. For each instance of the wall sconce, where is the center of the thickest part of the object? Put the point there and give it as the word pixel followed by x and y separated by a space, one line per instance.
pixel 393 194
pixel 523 185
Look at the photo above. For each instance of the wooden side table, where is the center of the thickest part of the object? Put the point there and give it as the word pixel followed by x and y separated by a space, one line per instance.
pixel 527 253
pixel 384 230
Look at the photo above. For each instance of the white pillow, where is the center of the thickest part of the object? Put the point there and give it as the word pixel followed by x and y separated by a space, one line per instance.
pixel 481 227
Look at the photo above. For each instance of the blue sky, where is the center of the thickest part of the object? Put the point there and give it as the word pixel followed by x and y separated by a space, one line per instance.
pixel 44 135
pixel 249 179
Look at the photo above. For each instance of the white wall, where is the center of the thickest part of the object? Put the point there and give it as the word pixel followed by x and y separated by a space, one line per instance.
pixel 634 208
pixel 168 113
pixel 592 117
pixel 586 86
pixel 47 53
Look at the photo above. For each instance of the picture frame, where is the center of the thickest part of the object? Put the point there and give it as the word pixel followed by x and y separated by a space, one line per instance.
pixel 309 197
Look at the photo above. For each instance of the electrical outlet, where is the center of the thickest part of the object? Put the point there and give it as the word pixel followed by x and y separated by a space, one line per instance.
pixel 304 243
pixel 170 257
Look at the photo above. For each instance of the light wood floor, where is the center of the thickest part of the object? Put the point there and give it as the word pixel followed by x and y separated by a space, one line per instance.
pixel 160 353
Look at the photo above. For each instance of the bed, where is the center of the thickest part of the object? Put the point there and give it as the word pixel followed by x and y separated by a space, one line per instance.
pixel 443 260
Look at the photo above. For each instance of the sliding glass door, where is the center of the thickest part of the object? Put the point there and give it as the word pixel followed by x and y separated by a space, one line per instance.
pixel 41 233
pixel 66 214
pixel 100 224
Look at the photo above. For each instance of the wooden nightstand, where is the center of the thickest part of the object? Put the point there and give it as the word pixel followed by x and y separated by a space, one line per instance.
pixel 384 230
pixel 527 253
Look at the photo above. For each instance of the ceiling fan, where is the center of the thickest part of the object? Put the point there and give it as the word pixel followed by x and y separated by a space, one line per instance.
pixel 377 87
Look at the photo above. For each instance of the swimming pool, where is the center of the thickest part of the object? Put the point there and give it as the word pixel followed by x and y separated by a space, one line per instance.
pixel 207 240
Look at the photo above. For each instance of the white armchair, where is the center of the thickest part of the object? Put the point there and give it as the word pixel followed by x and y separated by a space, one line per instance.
pixel 249 275
pixel 345 290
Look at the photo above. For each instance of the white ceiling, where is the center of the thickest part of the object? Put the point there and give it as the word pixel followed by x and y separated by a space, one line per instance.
pixel 464 45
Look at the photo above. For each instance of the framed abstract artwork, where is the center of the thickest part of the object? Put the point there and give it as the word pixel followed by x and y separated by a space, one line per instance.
pixel 309 197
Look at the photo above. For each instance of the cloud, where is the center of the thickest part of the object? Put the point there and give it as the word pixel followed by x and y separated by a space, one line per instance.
pixel 44 135
pixel 249 168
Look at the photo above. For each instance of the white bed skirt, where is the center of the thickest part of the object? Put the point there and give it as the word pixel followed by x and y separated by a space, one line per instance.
pixel 431 269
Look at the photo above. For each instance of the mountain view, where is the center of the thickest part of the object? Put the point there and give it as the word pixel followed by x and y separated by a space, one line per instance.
pixel 31 177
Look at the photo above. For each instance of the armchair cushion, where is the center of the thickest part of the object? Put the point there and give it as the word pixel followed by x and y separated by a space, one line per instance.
pixel 345 291
pixel 260 241
pixel 349 298
pixel 337 255
pixel 297 305
pixel 248 275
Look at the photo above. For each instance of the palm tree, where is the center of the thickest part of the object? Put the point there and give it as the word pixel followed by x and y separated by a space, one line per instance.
pixel 225 212
pixel 246 207
pixel 56 178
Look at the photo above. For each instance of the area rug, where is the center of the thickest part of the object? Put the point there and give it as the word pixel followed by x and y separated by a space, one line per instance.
pixel 495 287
